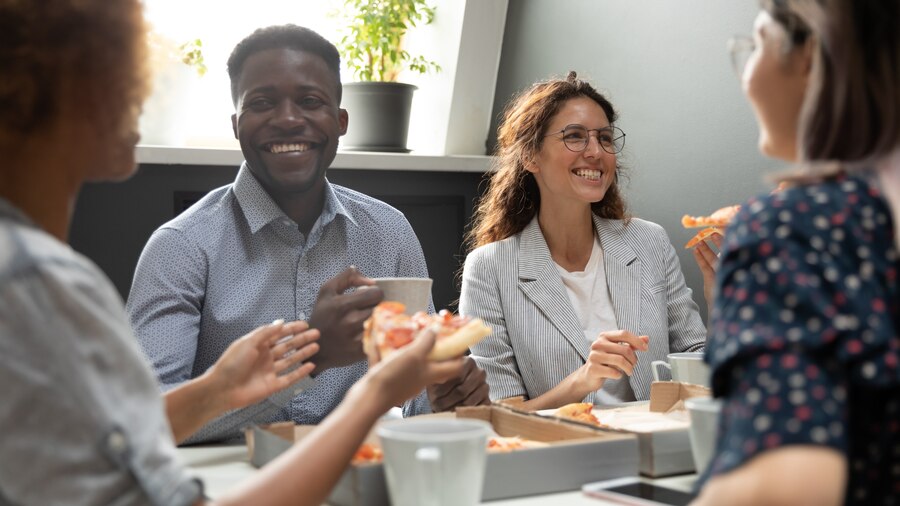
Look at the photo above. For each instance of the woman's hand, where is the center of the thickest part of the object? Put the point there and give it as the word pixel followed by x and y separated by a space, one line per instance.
pixel 259 364
pixel 408 371
pixel 708 261
pixel 612 354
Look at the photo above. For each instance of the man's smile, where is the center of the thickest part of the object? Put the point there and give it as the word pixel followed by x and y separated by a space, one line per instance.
pixel 288 147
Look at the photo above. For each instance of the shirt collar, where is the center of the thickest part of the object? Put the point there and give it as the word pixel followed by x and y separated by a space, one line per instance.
pixel 259 209
pixel 14 214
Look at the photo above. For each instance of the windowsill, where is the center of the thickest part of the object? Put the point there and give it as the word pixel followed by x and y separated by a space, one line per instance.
pixel 164 155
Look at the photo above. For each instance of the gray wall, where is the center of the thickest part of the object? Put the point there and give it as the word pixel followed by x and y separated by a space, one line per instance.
pixel 691 136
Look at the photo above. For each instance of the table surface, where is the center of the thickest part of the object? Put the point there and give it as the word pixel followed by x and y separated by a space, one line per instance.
pixel 223 467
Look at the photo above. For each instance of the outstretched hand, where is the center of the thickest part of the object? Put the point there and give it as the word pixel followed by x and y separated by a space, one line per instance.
pixel 260 363
pixel 339 318
pixel 406 372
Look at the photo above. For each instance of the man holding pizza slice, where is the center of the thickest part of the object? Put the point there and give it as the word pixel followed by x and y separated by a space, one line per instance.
pixel 280 242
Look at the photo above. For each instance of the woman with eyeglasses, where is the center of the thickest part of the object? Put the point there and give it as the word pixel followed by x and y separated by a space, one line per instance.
pixel 804 345
pixel 580 296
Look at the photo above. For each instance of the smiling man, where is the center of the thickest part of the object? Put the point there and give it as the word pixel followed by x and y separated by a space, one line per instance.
pixel 279 243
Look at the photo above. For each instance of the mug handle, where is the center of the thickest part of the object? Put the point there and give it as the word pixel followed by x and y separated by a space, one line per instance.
pixel 654 366
pixel 429 457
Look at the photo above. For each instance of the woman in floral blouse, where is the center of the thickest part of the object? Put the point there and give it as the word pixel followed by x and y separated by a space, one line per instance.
pixel 804 346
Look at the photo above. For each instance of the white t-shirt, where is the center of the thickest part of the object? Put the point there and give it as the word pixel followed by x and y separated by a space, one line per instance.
pixel 589 294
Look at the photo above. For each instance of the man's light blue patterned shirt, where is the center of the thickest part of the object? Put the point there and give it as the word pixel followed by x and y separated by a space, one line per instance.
pixel 234 261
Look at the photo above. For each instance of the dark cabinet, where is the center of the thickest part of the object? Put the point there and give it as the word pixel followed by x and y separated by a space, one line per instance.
pixel 112 221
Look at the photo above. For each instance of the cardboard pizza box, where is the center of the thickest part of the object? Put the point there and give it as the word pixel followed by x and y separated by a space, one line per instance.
pixel 574 456
pixel 664 450
pixel 668 452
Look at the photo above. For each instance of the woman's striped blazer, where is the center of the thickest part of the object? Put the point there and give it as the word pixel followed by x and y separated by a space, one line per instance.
pixel 537 339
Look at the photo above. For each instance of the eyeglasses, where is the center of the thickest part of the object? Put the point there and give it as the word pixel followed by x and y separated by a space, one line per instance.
pixel 741 48
pixel 577 137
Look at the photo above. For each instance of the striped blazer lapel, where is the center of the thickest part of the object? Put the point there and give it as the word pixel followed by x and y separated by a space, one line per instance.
pixel 623 276
pixel 541 284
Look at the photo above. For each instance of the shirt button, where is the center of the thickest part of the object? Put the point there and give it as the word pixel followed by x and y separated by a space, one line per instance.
pixel 116 441
pixel 301 315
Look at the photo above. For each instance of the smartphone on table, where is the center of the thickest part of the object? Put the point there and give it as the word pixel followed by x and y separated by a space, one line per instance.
pixel 634 491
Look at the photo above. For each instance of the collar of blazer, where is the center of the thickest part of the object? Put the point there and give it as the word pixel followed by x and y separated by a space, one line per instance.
pixel 540 282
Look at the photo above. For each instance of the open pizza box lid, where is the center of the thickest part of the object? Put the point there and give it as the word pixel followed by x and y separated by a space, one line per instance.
pixel 661 426
pixel 574 455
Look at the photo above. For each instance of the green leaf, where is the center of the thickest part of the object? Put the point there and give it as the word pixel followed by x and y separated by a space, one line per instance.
pixel 371 43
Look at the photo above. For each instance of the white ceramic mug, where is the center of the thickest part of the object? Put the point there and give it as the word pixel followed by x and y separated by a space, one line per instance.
pixel 687 367
pixel 412 292
pixel 437 462
pixel 704 414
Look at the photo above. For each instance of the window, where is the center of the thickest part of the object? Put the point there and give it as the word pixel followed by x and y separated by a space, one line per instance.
pixel 188 110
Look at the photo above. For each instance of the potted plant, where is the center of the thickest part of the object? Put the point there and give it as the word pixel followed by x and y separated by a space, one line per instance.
pixel 372 47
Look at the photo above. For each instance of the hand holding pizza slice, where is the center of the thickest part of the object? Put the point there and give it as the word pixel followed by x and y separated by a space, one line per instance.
pixel 390 328
pixel 714 224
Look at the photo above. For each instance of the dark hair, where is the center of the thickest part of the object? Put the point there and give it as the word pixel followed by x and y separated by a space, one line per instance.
pixel 283 36
pixel 86 53
pixel 513 199
pixel 852 108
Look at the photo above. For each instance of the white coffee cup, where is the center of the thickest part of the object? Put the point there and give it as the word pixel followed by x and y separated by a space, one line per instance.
pixel 412 292
pixel 704 414
pixel 687 367
pixel 437 462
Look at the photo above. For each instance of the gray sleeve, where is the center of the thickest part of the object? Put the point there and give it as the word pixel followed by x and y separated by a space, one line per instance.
pixel 165 304
pixel 90 426
pixel 480 298
pixel 165 310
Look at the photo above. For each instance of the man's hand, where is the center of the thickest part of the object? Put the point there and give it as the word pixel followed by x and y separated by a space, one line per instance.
pixel 339 318
pixel 469 388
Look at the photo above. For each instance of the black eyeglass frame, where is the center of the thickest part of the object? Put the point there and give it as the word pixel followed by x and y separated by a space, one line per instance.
pixel 617 133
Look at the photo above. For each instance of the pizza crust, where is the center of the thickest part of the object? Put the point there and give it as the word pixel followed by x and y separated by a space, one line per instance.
pixel 457 343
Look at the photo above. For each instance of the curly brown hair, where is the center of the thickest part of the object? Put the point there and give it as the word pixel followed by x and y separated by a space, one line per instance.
pixel 56 55
pixel 512 199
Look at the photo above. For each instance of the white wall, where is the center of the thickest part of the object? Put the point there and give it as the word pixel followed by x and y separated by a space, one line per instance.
pixel 691 136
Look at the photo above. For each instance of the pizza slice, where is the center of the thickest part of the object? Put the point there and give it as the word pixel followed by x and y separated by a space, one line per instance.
pixel 702 236
pixel 578 411
pixel 714 224
pixel 390 328
pixel 508 444
pixel 368 453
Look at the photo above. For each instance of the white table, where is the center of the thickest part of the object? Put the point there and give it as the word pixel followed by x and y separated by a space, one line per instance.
pixel 223 467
